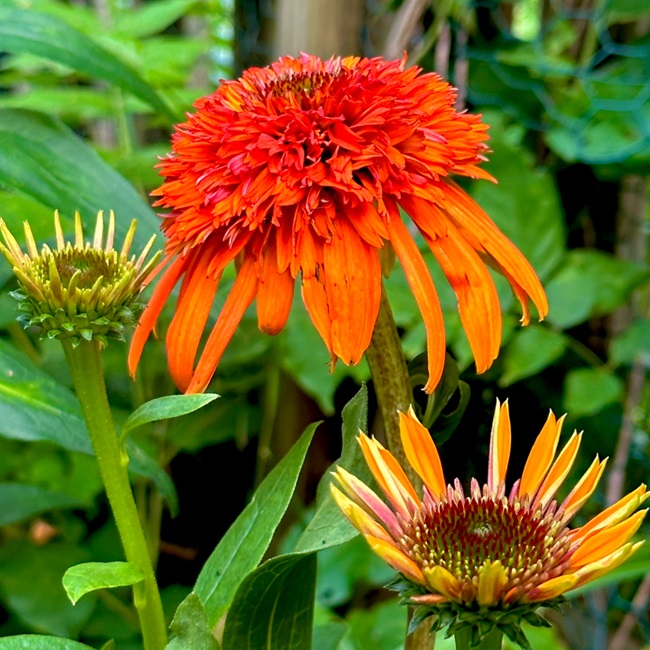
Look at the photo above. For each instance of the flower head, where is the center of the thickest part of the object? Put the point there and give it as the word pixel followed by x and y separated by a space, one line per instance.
pixel 490 555
pixel 81 291
pixel 299 171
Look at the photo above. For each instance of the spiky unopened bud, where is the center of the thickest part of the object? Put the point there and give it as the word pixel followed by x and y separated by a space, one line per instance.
pixel 79 291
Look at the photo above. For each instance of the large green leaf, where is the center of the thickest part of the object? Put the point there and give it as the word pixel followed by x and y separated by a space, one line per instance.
pixel 152 17
pixel 33 406
pixel 83 578
pixel 42 158
pixel 40 642
pixel 47 36
pixel 329 526
pixel 245 543
pixel 18 502
pixel 273 608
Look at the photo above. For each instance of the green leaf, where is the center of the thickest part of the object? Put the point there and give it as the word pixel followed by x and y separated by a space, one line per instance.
pixel 590 390
pixel 151 18
pixel 42 158
pixel 33 406
pixel 18 502
pixel 44 35
pixel 90 576
pixel 590 283
pixel 329 526
pixel 273 608
pixel 531 349
pixel 191 628
pixel 40 642
pixel 246 541
pixel 632 343
pixel 166 408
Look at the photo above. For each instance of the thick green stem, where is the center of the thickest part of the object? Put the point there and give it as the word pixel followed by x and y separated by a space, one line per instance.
pixel 394 393
pixel 88 378
pixel 493 641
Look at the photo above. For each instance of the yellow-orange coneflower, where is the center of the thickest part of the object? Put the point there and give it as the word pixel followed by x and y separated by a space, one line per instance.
pixel 493 555
pixel 298 172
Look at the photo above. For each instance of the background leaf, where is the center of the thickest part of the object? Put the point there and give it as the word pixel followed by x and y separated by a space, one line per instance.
pixel 40 642
pixel 190 627
pixel 19 501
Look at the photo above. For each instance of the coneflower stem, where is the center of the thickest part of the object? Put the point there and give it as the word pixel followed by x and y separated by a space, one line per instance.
pixel 85 365
pixel 493 641
pixel 394 393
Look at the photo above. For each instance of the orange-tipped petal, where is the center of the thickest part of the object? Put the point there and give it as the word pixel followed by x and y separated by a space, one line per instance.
pixel 390 476
pixel 552 588
pixel 606 564
pixel 358 517
pixel 541 456
pixel 604 542
pixel 353 288
pixel 500 439
pixel 424 291
pixel 240 297
pixel 559 470
pixel 583 490
pixel 149 316
pixel 396 559
pixel 618 511
pixel 192 311
pixel 421 452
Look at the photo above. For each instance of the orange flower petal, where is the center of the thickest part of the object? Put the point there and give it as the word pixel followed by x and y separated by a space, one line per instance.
pixel 552 588
pixel 240 297
pixel 500 440
pixel 541 456
pixel 421 452
pixel 559 470
pixel 315 299
pixel 149 316
pixel 424 291
pixel 353 288
pixel 274 293
pixel 583 490
pixel 358 517
pixel 604 565
pixel 192 311
pixel 396 559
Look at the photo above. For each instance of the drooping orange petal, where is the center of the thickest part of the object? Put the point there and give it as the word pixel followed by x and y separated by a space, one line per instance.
pixel 500 440
pixel 583 490
pixel 240 297
pixel 149 316
pixel 421 452
pixel 541 456
pixel 315 299
pixel 478 301
pixel 559 470
pixel 353 288
pixel 475 223
pixel 192 311
pixel 606 541
pixel 274 294
pixel 424 291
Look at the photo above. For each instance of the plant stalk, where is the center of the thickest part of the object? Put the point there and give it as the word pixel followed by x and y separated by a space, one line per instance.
pixel 394 393
pixel 85 365
pixel 493 641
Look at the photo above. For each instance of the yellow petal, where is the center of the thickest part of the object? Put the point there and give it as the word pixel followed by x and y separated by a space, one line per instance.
pixel 499 446
pixel 541 456
pixel 358 517
pixel 421 452
pixel 492 579
pixel 440 580
pixel 605 565
pixel 583 490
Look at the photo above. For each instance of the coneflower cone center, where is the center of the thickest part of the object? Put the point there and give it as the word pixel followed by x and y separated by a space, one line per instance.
pixel 462 535
pixel 87 264
pixel 299 83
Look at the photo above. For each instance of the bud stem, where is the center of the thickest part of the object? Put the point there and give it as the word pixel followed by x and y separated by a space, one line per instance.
pixel 85 365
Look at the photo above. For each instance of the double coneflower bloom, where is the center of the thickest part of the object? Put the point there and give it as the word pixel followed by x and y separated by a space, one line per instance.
pixel 300 172
pixel 493 553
